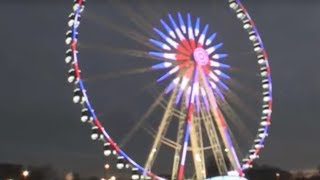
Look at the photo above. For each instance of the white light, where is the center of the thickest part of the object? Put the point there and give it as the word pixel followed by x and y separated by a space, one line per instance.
pixel 233 173
pixel 253 37
pixel 68 57
pixel 210 50
pixel 266 98
pixel 241 15
pixel 84 119
pixel 71 23
pixel 257 49
pixel 233 5
pixel 217 72
pixel 261 61
pixel 213 85
pixel 107 152
pixel 25 173
pixel 135 176
pixel 167 64
pixel 246 166
pixel 94 136
pixel 196 32
pixel 263 135
pixel 266 111
pixel 227 178
pixel 257 140
pixel 71 79
pixel 76 99
pixel 68 40
pixel 214 77
pixel 247 26
pixel 101 137
pixel 198 158
pixel 264 73
pixel 143 176
pixel 78 96
pixel 71 37
pixel 120 165
pixel 254 156
pixel 214 63
pixel 154 150
pixel 76 6
pixel 201 39
pixel 265 123
pixel 184 83
pixel 258 146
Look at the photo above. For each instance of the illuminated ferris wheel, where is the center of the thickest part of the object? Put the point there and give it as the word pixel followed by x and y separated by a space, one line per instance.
pixel 200 98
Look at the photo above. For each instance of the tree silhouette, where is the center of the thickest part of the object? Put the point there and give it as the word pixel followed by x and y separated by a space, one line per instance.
pixel 266 172
pixel 42 172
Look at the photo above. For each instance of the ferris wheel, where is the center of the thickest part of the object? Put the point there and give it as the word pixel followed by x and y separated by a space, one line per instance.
pixel 199 105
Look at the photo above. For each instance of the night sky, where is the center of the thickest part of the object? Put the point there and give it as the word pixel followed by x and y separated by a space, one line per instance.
pixel 40 124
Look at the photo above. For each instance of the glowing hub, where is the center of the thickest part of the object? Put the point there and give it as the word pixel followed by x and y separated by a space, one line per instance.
pixel 185 48
pixel 201 56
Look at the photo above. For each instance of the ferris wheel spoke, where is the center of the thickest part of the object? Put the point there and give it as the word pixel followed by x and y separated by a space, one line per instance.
pixel 118 74
pixel 217 81
pixel 160 44
pixel 180 132
pixel 131 34
pixel 238 102
pixel 190 32
pixel 212 49
pixel 210 39
pixel 226 138
pixel 234 118
pixel 214 141
pixel 132 15
pixel 243 87
pixel 232 100
pixel 197 148
pixel 186 45
pixel 217 64
pixel 143 55
pixel 189 117
pixel 222 126
pixel 236 145
pixel 162 129
pixel 169 40
pixel 141 121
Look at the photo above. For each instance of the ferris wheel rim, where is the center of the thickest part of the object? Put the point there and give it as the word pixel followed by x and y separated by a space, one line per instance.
pixel 71 40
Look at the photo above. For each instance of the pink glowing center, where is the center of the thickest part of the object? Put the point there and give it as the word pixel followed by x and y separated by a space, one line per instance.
pixel 201 56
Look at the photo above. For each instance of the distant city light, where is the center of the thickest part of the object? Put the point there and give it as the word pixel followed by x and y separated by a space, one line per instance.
pixel 25 173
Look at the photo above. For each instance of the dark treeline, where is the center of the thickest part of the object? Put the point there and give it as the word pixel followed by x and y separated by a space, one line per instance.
pixel 47 172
